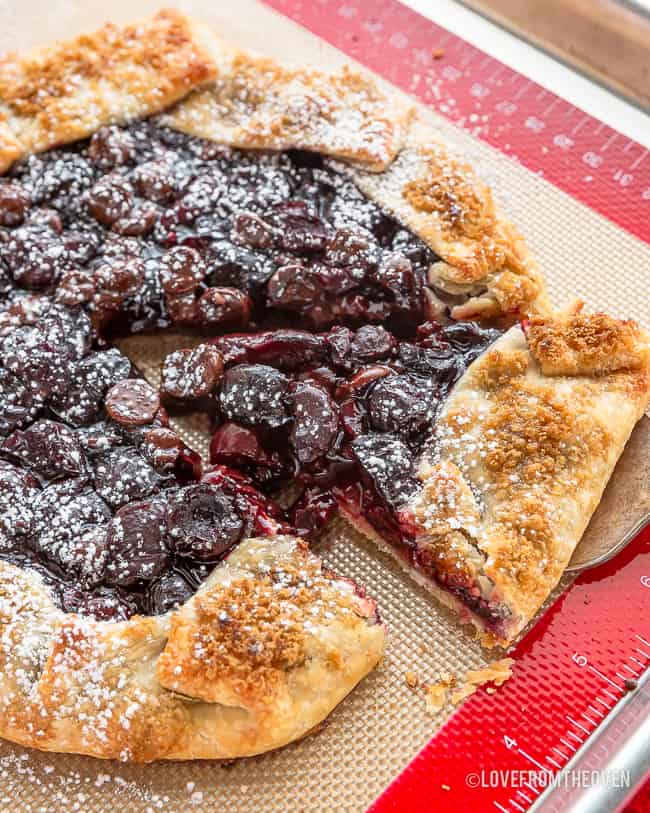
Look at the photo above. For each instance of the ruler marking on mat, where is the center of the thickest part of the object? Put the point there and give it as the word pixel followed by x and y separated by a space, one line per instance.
pixel 640 637
pixel 518 806
pixel 523 796
pixel 555 763
pixel 596 711
pixel 577 724
pixel 501 807
pixel 645 654
pixel 636 164
pixel 568 744
pixel 531 759
pixel 604 677
pixel 609 142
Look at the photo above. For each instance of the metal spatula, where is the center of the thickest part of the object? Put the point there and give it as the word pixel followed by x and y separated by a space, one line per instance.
pixel 625 507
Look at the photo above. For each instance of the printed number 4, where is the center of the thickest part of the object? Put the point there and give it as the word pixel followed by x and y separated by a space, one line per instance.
pixel 509 742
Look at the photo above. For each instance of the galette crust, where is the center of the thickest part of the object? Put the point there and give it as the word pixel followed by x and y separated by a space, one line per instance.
pixel 263 652
pixel 439 197
pixel 60 93
pixel 258 103
pixel 521 459
pixel 573 343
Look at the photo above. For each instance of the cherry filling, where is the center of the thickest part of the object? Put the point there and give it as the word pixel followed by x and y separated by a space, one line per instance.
pixel 141 228
pixel 344 413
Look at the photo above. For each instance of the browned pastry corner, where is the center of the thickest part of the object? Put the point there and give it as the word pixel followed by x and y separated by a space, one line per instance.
pixel 60 93
pixel 259 656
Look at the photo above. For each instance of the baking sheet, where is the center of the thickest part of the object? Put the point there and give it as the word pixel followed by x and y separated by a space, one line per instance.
pixel 384 722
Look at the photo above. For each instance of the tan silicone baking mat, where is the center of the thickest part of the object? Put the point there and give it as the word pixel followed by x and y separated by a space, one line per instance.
pixel 383 723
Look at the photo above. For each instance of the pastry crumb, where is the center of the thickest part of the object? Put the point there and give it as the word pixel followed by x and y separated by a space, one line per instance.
pixel 436 693
pixel 412 680
pixel 438 53
pixel 445 787
pixel 496 672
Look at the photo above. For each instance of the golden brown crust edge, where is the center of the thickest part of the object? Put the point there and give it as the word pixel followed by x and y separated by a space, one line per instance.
pixel 521 461
pixel 259 656
pixel 438 196
pixel 56 94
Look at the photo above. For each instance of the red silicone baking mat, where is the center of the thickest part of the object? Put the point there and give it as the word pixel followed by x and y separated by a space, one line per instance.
pixel 571 669
pixel 581 155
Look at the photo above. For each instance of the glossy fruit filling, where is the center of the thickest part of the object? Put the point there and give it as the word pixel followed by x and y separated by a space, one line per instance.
pixel 140 228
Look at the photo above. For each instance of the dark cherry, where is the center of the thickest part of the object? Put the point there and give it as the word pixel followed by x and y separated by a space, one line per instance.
pixel 371 343
pixel 69 524
pixel 162 447
pixel 219 305
pixel 104 604
pixel 17 404
pixel 116 282
pixel 46 217
pixel 251 230
pixel 181 270
pixel 132 402
pixel 292 287
pixel 18 491
pixel 139 221
pixel 203 522
pixel 81 245
pixel 75 288
pixel 91 379
pixel 111 147
pixel 123 475
pixel 402 404
pixel 168 592
pixel 40 356
pixel 49 448
pixel 100 437
pixel 315 421
pixel 388 462
pixel 14 204
pixel 312 512
pixel 109 200
pixel 191 374
pixel 136 543
pixel 239 267
pixel 285 349
pixel 299 230
pixel 235 445
pixel 350 248
pixel 183 309
pixel 155 181
pixel 255 394
pixel 34 255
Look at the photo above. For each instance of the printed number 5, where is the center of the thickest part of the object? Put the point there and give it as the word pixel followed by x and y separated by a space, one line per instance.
pixel 579 659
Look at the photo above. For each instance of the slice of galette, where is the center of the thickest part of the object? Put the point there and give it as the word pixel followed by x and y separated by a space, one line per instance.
pixel 519 457
pixel 475 457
